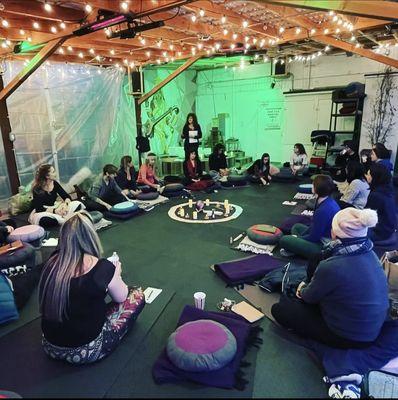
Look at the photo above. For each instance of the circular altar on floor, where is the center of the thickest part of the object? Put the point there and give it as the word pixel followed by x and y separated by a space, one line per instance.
pixel 205 212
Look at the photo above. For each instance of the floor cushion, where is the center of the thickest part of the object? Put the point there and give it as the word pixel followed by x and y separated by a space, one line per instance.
pixel 285 175
pixel 125 216
pixel 173 187
pixel 202 345
pixel 17 257
pixel 148 196
pixel 237 178
pixel 305 188
pixel 264 234
pixel 124 208
pixel 96 216
pixel 27 234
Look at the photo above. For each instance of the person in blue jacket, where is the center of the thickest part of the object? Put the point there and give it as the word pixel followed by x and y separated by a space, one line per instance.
pixel 346 302
pixel 308 241
pixel 381 155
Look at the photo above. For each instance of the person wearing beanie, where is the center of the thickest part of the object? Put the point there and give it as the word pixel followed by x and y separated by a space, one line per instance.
pixel 381 199
pixel 345 303
pixel 307 241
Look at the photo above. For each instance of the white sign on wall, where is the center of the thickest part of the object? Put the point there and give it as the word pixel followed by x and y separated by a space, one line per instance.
pixel 273 113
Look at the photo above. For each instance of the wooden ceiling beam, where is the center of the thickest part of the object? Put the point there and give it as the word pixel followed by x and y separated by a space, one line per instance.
pixel 35 9
pixel 384 10
pixel 362 52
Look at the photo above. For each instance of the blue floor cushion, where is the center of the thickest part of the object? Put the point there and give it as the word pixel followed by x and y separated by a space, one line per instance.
pixel 305 188
pixel 124 208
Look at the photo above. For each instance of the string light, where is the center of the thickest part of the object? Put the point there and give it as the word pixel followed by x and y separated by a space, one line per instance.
pixel 148 53
pixel 171 47
pixel 331 12
pixel 88 8
pixel 312 31
pixel 326 31
pixel 112 52
pixel 357 45
pixel 254 40
pixel 36 25
pixel 247 46
pixel 247 39
pixel 62 25
pixel 193 18
pixel 353 38
pixel 21 32
pixel 48 7
pixel 158 61
pixel 4 45
pixel 281 29
pixel 266 59
pixel 225 32
pixel 91 51
pixel 98 58
pixel 124 5
pixel 233 46
pixel 61 50
pixel 223 19
pixel 234 36
pixel 335 18
pixel 80 55
pixel 262 42
pixel 164 53
pixel 338 30
pixel 201 12
pixel 179 54
pixel 29 39
pixel 126 61
pixel 217 46
pixel 298 31
pixel 70 48
pixel 53 29
pixel 327 48
pixel 200 46
pixel 339 22
pixel 245 24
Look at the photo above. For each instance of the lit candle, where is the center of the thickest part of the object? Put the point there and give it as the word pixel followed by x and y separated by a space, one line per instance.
pixel 195 215
pixel 207 202
pixel 190 203
pixel 226 203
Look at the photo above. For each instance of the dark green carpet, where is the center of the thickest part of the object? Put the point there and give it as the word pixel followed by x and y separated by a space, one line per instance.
pixel 157 251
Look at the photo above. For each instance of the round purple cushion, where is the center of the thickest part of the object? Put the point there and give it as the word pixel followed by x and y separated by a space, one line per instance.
pixel 27 233
pixel 202 345
pixel 125 207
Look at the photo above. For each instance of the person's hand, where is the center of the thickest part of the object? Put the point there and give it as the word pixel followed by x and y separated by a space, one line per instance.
pixel 108 206
pixel 118 267
pixel 9 228
pixel 299 287
pixel 67 200
pixel 195 180
pixel 125 192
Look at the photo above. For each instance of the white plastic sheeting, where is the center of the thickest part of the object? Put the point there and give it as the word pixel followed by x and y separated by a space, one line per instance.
pixel 69 115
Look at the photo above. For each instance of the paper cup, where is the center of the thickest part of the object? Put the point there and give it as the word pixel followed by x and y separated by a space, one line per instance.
pixel 199 298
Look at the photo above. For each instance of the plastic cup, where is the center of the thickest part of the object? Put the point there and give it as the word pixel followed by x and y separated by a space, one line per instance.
pixel 199 298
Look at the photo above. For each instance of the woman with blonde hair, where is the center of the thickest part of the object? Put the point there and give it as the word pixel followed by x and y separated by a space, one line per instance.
pixel 78 325
pixel 147 175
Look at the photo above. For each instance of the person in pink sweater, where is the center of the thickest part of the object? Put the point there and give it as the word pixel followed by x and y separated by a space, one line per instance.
pixel 147 174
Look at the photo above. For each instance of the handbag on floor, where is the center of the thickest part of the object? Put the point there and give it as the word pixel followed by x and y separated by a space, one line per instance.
pixel 380 385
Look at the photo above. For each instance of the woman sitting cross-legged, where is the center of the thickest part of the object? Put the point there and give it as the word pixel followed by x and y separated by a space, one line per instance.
pixel 125 177
pixel 345 303
pixel 194 178
pixel 262 170
pixel 307 241
pixel 381 199
pixel 381 155
pixel 47 211
pixel 299 160
pixel 147 175
pixel 218 163
pixel 78 325
pixel 357 192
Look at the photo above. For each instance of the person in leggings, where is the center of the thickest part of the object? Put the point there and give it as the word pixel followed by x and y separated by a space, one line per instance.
pixel 78 326
pixel 308 241
pixel 345 303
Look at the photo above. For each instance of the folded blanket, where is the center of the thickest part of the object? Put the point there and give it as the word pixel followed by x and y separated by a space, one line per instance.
pixel 247 270
pixel 248 246
pixel 227 377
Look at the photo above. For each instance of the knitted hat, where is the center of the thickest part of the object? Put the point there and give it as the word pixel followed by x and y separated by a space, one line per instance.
pixel 352 223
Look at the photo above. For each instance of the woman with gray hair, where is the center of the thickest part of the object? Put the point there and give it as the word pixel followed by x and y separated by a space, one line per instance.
pixel 78 325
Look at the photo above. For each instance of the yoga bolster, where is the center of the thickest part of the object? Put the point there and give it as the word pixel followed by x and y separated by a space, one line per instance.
pixel 258 235
pixel 200 346
pixel 305 188
pixel 148 196
pixel 124 216
pixel 125 207
pixel 27 233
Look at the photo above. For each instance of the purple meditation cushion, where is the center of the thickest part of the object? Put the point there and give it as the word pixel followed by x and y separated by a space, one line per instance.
pixel 201 346
pixel 27 234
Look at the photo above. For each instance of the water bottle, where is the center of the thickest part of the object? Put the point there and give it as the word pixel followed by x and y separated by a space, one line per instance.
pixel 114 258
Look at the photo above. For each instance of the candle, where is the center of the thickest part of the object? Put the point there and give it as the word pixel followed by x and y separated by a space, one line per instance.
pixel 226 203
pixel 190 203
pixel 195 215
pixel 207 202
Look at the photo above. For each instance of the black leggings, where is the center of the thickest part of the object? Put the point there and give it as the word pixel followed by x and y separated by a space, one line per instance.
pixel 306 320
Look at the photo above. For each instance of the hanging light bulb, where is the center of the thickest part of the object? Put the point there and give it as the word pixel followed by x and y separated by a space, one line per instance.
pixel 234 36
pixel 62 25
pixel 319 53
pixel 262 43
pixel 225 32
pixel 29 39
pixel 247 39
pixel 148 53
pixel 312 31
pixel 223 19
pixel 21 32
pixel 331 12
pixel 350 27
pixel 254 40
pixel 48 7
pixel 164 53
pixel 217 46
pixel 353 38
pixel 201 12
pixel 245 24
pixel 158 61
pixel 339 22
pixel 53 29
pixel 200 46
pixel 357 45
pixel 112 52
pixel 143 41
pixel 326 31
pixel 61 50
pixel 70 48
pixel 193 50
pixel 80 55
pixel 88 8
pixel 281 29
pixel 159 43
pixel 338 30
pixel 327 48
pixel 298 31
pixel 345 24
pixel 124 5
pixel 276 61
pixel 36 25
pixel 171 47
pixel 98 58
pixel 256 56
pixel 4 45
pixel 126 61
pixel 179 54
pixel 335 18
pixel 247 46
pixel 208 52
pixel 265 59
pixel 193 18
pixel 232 46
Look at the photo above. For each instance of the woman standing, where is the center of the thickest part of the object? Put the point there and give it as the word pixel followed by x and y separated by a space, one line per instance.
pixel 78 325
pixel 125 177
pixel 47 212
pixel 191 133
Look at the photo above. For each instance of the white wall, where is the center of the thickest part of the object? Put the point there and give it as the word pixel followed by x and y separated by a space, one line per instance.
pixel 244 95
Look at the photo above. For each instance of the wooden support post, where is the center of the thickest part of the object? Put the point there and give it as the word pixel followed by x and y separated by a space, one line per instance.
pixel 138 122
pixel 173 75
pixel 362 52
pixel 8 145
pixel 34 63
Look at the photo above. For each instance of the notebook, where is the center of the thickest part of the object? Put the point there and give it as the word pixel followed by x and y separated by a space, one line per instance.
pixel 247 311
pixel 150 294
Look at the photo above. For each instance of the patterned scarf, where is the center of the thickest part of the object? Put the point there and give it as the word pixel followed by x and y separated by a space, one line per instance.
pixel 349 246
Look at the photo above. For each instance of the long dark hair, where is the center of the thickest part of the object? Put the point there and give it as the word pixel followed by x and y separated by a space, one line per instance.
pixel 381 151
pixel 41 176
pixel 188 153
pixel 195 119
pixel 355 170
pixel 262 159
pixel 217 147
pixel 301 148
pixel 124 162
pixel 381 176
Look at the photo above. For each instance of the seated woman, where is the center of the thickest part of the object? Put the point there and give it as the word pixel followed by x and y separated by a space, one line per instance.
pixel 78 325
pixel 125 177
pixel 147 175
pixel 307 241
pixel 346 302
pixel 194 178
pixel 347 155
pixel 381 155
pixel 299 160
pixel 357 192
pixel 262 170
pixel 381 199
pixel 218 163
pixel 105 192
pixel 47 211
pixel 6 227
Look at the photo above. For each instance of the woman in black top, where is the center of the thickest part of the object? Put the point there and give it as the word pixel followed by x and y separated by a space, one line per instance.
pixel 262 170
pixel 47 212
pixel 126 176
pixel 191 133
pixel 218 162
pixel 78 325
